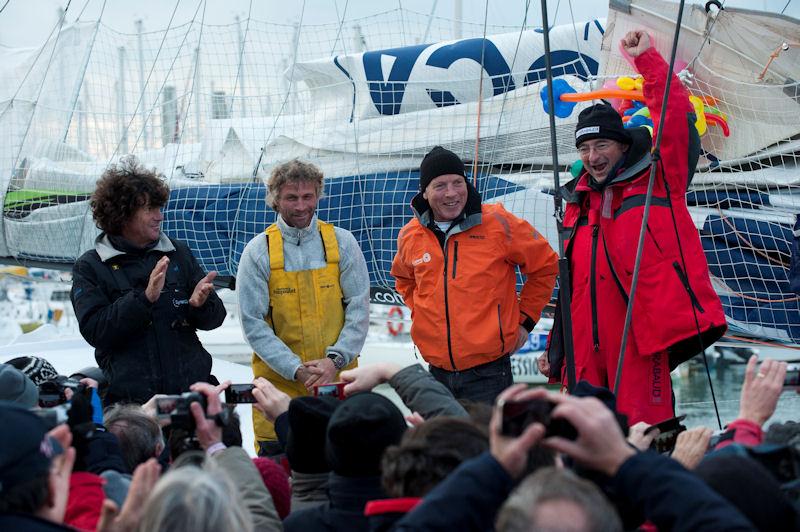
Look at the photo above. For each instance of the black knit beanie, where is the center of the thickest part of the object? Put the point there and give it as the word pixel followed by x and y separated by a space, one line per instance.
pixel 439 161
pixel 305 443
pixel 600 121
pixel 363 426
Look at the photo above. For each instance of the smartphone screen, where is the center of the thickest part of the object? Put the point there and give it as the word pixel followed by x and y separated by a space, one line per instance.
pixel 519 414
pixel 334 389
pixel 166 405
pixel 239 393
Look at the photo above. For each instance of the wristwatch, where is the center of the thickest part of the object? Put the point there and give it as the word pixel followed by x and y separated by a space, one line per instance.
pixel 338 360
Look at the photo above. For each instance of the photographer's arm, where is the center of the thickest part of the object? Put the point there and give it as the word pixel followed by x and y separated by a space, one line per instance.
pixel 234 460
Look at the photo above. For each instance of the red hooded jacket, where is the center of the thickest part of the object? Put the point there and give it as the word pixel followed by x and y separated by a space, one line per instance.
pixel 675 298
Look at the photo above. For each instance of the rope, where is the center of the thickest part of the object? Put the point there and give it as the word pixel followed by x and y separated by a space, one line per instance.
pixel 564 296
pixel 480 99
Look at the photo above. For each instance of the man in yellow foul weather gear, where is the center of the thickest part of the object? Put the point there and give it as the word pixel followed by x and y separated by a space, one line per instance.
pixel 303 293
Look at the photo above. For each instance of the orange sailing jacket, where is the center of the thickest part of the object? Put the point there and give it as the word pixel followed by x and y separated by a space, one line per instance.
pixel 461 287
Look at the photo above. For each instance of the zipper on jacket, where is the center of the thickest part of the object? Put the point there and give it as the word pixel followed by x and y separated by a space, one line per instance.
pixel 593 288
pixel 455 257
pixel 447 310
pixel 500 327
pixel 653 238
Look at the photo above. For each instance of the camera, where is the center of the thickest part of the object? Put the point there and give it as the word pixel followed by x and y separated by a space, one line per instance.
pixel 52 392
pixel 792 379
pixel 239 393
pixel 517 415
pixel 334 389
pixel 54 416
pixel 177 408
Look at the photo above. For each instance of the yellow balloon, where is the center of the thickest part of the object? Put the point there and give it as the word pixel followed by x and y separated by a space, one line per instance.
pixel 699 124
pixel 638 83
pixel 625 83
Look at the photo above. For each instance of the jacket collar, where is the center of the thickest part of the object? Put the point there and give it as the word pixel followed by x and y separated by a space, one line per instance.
pixel 106 250
pixel 469 218
pixel 295 235
pixel 637 158
pixel 353 492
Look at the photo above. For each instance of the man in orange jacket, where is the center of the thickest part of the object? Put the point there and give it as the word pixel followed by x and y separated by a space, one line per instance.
pixel 456 269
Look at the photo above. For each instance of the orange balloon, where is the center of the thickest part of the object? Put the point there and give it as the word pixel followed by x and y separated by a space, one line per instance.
pixel 604 94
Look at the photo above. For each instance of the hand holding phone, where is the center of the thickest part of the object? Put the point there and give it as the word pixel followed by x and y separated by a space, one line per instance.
pixel 333 389
pixel 239 394
pixel 517 415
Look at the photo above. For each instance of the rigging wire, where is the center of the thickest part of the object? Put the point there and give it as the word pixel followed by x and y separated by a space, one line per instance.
pixel 7 1
pixel 563 315
pixel 656 156
pixel 782 10
pixel 241 55
pixel 147 82
pixel 85 5
pixel 513 62
pixel 341 25
pixel 480 98
pixel 59 25
pixel 254 176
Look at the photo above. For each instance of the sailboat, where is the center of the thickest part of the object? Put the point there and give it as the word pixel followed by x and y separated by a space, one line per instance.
pixel 215 107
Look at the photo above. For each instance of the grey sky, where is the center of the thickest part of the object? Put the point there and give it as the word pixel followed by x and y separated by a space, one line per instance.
pixel 29 22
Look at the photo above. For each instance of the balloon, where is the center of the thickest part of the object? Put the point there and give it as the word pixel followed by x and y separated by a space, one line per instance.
pixel 719 121
pixel 700 122
pixel 625 83
pixel 563 106
pixel 602 94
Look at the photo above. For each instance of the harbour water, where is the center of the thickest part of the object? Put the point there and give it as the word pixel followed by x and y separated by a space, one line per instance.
pixel 693 395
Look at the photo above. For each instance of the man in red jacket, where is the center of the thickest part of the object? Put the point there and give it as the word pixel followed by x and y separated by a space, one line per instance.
pixel 676 312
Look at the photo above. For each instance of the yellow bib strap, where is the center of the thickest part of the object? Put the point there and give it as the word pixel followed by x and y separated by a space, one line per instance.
pixel 329 242
pixel 275 242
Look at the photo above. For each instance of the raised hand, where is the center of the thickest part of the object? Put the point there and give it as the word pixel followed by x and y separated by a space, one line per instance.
pixel 157 277
pixel 635 42
pixel 202 290
pixel 761 389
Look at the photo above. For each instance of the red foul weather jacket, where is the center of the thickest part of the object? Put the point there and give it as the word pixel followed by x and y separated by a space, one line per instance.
pixel 674 296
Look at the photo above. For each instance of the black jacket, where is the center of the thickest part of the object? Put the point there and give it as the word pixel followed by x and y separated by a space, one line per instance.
pixel 671 497
pixel 345 511
pixel 143 348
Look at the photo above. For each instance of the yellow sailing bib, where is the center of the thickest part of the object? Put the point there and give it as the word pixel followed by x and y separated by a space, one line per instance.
pixel 305 312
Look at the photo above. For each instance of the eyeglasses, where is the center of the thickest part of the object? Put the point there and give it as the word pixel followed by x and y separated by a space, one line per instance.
pixel 603 145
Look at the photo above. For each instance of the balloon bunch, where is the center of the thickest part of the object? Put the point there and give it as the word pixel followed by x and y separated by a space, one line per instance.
pixel 626 96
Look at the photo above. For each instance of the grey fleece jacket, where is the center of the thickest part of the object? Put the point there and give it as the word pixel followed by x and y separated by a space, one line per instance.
pixel 302 250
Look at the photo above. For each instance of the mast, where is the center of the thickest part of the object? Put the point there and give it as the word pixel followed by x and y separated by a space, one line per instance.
pixel 142 83
pixel 123 129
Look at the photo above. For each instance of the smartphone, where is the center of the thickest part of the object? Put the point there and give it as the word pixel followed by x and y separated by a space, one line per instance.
pixel 517 415
pixel 166 405
pixel 239 393
pixel 792 379
pixel 668 425
pixel 334 389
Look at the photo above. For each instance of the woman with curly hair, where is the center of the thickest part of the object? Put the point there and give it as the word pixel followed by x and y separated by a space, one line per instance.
pixel 139 295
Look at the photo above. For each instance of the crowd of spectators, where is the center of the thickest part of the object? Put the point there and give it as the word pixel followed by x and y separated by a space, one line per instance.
pixel 360 464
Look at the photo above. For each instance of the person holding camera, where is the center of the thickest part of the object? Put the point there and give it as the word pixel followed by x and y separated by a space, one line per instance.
pixel 303 291
pixel 139 295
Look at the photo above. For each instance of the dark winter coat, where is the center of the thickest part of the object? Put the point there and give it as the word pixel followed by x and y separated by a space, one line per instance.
pixel 143 348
